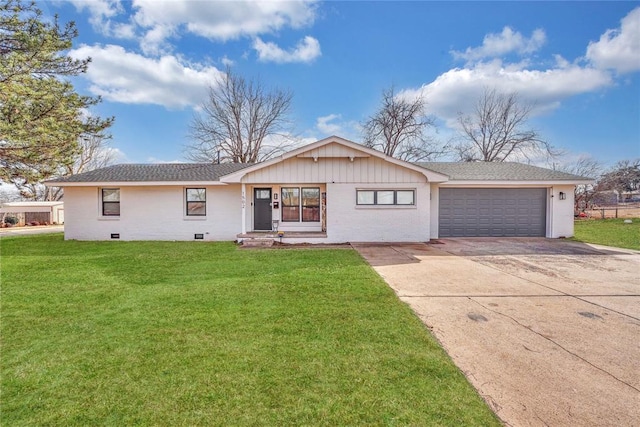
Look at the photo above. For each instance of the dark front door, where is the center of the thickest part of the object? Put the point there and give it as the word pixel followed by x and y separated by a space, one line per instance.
pixel 262 209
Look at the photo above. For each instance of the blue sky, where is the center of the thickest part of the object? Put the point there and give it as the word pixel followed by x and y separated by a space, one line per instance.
pixel 153 61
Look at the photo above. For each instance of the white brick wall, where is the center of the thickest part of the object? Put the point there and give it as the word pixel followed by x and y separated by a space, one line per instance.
pixel 157 213
pixel 152 213
pixel 347 222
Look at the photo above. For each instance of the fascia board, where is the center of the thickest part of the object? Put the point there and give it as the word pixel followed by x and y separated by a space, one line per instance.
pixel 478 183
pixel 134 184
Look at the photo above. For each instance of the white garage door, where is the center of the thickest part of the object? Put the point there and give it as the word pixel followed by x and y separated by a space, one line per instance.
pixel 492 212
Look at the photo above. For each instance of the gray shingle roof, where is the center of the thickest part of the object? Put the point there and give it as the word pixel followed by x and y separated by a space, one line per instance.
pixel 156 172
pixel 495 171
pixel 184 172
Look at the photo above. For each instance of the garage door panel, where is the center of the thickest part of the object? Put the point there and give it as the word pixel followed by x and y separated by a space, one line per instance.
pixel 485 212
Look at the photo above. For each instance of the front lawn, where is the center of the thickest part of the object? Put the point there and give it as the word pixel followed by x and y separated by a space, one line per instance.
pixel 193 333
pixel 609 232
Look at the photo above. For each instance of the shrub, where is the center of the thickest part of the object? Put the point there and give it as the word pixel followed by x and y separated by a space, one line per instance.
pixel 34 223
pixel 11 220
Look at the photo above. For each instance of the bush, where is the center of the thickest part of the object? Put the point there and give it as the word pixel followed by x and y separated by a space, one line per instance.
pixel 11 220
pixel 34 223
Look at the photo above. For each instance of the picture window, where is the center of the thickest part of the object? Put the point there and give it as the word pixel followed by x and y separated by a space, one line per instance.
pixel 300 204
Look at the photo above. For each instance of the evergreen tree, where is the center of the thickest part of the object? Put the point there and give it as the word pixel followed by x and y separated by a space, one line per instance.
pixel 42 118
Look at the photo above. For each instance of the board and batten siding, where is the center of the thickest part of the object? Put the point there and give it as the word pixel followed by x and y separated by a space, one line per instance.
pixel 152 213
pixel 341 170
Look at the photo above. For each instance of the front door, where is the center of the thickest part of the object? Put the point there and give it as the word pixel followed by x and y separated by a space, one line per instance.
pixel 262 209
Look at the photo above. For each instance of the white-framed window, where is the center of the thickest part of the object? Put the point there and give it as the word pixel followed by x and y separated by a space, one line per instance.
pixel 110 201
pixel 196 201
pixel 385 197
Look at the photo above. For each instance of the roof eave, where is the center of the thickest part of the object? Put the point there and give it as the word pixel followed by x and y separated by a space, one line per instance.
pixel 133 183
pixel 514 183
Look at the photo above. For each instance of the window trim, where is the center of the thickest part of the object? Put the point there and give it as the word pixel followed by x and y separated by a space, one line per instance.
pixel 395 197
pixel 284 205
pixel 102 202
pixel 188 202
pixel 300 205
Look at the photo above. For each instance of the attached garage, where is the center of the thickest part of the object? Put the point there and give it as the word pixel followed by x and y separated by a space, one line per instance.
pixel 492 212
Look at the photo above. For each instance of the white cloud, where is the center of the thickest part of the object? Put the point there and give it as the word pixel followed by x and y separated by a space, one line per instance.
pixel 222 20
pixel 122 76
pixel 99 9
pixel 323 124
pixel 101 13
pixel 619 49
pixel 153 42
pixel 156 22
pixel 508 41
pixel 455 91
pixel 157 160
pixel 333 124
pixel 227 62
pixel 307 50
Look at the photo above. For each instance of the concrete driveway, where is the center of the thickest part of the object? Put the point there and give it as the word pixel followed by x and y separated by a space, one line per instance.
pixel 548 331
pixel 41 229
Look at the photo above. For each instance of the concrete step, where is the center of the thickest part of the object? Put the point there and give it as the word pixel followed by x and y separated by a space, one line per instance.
pixel 257 243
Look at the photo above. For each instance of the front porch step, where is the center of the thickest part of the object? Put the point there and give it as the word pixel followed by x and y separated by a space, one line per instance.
pixel 285 235
pixel 257 243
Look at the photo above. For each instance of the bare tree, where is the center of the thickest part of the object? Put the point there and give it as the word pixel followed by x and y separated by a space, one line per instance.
pixel 240 121
pixel 398 128
pixel 623 177
pixel 497 130
pixel 93 154
pixel 587 167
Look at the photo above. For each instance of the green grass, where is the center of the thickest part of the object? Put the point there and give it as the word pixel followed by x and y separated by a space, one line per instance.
pixel 192 333
pixel 609 232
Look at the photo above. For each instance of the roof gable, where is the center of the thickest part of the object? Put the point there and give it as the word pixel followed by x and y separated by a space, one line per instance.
pixel 335 147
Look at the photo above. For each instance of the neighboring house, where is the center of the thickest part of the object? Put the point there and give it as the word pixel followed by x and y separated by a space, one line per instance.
pixel 605 198
pixel 330 191
pixel 31 212
pixel 630 196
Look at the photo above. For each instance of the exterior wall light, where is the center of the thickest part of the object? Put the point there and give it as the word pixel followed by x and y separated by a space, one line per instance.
pixel 562 195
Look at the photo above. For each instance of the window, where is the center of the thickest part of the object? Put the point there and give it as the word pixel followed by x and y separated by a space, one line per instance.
pixel 386 197
pixel 263 194
pixel 110 202
pixel 366 197
pixel 405 197
pixel 290 204
pixel 196 201
pixel 310 205
pixel 300 203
